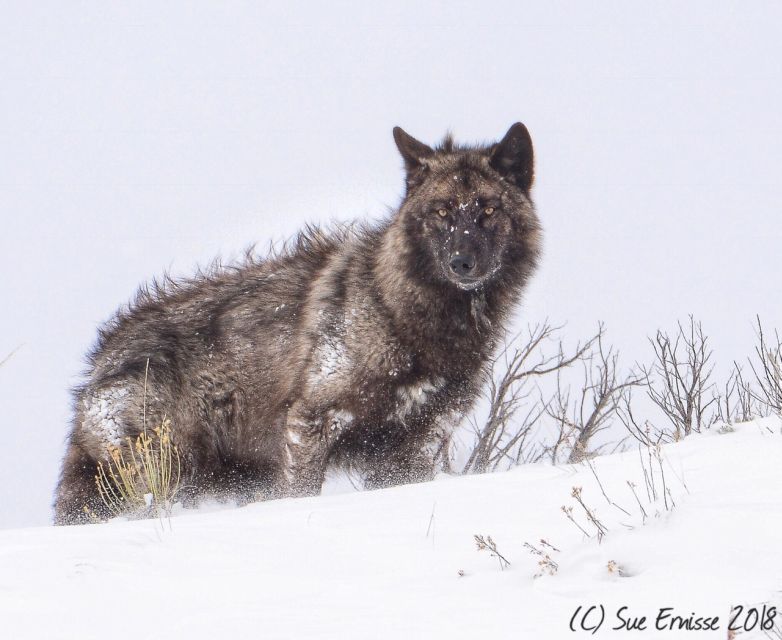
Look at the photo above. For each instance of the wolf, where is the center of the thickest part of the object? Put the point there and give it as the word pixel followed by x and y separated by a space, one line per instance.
pixel 359 346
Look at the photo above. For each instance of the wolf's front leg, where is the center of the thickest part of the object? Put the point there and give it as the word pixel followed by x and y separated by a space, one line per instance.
pixel 405 463
pixel 416 456
pixel 309 435
pixel 400 469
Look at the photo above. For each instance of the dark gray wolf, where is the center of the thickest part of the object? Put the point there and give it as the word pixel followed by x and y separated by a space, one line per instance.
pixel 361 346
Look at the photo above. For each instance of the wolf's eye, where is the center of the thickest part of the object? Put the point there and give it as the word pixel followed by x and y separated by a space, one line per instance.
pixel 489 210
pixel 442 212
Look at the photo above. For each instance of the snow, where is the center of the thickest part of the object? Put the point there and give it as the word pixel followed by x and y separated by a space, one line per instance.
pixel 341 419
pixel 412 397
pixel 330 355
pixel 102 411
pixel 402 562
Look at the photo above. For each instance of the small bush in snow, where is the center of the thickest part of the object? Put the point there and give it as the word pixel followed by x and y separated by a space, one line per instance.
pixel 487 544
pixel 737 401
pixel 143 478
pixel 546 564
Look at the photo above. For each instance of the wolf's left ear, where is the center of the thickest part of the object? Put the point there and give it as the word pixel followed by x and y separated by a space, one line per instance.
pixel 413 152
pixel 512 157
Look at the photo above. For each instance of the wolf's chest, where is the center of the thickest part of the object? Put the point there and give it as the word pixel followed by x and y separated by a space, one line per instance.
pixel 410 400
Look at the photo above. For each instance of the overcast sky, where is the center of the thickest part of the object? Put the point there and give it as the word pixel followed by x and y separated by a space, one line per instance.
pixel 144 137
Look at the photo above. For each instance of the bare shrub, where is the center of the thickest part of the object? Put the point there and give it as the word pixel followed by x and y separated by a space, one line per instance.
pixel 655 482
pixel 678 380
pixel 578 419
pixel 642 430
pixel 546 565
pixel 768 370
pixel 524 412
pixel 736 401
pixel 503 435
pixel 518 404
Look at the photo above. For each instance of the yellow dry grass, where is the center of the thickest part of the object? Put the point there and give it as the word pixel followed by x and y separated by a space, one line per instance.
pixel 141 478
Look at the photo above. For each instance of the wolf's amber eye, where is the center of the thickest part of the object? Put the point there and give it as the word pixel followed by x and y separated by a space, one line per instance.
pixel 442 212
pixel 489 210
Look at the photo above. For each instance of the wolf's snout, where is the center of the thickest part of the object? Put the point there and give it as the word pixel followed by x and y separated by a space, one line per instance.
pixel 462 264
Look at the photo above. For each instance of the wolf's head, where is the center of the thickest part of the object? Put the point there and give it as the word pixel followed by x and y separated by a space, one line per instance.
pixel 467 220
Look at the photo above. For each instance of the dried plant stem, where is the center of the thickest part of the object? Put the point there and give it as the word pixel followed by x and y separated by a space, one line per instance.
pixel 638 500
pixel 600 484
pixel 601 529
pixel 568 511
pixel 487 544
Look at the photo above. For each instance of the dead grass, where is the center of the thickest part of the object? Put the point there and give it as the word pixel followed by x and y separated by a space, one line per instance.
pixel 141 478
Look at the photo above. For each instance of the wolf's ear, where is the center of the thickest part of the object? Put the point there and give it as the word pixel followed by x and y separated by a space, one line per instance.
pixel 413 151
pixel 512 157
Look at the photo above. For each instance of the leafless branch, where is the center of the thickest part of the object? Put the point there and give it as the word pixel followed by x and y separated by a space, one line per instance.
pixel 578 419
pixel 736 401
pixel 487 544
pixel 768 370
pixel 9 356
pixel 678 379
pixel 503 437
pixel 590 514
pixel 603 491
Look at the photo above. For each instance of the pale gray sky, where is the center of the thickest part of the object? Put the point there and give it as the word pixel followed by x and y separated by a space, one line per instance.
pixel 139 137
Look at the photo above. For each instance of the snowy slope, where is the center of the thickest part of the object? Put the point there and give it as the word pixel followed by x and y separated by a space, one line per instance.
pixel 387 564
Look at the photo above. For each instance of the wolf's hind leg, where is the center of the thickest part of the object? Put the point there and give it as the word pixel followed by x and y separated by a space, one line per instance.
pixel 77 500
pixel 105 416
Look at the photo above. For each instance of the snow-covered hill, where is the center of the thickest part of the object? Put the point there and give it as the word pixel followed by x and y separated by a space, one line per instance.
pixel 402 562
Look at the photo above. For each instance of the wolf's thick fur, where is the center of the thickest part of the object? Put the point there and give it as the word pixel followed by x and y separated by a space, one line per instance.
pixel 360 346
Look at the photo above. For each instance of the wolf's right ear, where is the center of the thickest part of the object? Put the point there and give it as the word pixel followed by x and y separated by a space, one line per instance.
pixel 413 152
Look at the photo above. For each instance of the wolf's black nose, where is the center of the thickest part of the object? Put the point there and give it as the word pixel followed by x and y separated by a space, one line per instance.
pixel 462 264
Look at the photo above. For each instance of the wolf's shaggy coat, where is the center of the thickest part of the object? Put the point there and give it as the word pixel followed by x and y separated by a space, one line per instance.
pixel 360 346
